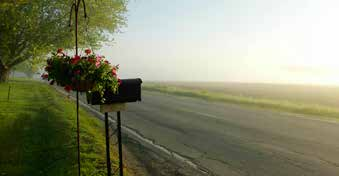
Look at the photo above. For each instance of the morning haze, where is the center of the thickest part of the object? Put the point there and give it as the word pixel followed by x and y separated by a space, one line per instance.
pixel 243 41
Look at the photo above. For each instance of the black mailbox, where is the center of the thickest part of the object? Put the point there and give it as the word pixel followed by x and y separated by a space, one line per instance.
pixel 129 91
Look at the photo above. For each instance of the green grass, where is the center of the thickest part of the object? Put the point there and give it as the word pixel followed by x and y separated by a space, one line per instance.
pixel 38 133
pixel 287 105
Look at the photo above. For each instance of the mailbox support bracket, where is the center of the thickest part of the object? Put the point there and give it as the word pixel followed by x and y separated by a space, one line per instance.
pixel 112 107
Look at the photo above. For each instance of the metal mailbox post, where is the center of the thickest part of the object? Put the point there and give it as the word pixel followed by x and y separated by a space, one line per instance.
pixel 129 91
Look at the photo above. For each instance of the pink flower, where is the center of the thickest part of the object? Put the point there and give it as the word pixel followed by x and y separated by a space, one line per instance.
pixel 75 59
pixel 88 51
pixel 99 58
pixel 97 64
pixel 98 61
pixel 68 88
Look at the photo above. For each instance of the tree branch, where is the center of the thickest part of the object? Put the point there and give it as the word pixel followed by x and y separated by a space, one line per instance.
pixel 20 57
pixel 17 61
pixel 2 65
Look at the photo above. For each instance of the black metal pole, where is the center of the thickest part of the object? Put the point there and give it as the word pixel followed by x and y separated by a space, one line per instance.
pixel 108 158
pixel 121 168
pixel 78 133
pixel 77 3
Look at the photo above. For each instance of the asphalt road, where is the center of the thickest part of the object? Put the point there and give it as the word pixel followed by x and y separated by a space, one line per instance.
pixel 237 140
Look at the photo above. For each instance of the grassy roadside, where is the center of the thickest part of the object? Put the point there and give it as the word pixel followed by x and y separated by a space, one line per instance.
pixel 281 105
pixel 37 133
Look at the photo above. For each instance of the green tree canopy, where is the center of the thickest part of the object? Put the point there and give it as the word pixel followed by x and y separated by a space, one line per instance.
pixel 30 29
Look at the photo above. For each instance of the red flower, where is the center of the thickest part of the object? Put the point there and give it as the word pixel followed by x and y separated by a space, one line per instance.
pixel 68 88
pixel 60 50
pixel 114 71
pixel 91 60
pixel 77 72
pixel 119 81
pixel 88 51
pixel 106 62
pixel 75 59
pixel 44 76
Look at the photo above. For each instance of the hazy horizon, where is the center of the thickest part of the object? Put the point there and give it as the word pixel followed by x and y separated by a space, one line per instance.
pixel 290 42
pixel 239 82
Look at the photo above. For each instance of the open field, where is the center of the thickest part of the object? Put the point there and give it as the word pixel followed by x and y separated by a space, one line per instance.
pixel 305 99
pixel 38 133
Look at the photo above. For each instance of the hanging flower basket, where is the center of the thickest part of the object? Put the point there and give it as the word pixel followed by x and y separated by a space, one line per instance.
pixel 82 85
pixel 87 73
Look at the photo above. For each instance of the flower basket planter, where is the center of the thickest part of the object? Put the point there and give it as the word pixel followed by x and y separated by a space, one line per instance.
pixel 128 91
pixel 82 85
pixel 94 72
pixel 60 84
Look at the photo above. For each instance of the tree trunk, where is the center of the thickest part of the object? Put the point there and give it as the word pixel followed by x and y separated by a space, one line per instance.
pixel 4 73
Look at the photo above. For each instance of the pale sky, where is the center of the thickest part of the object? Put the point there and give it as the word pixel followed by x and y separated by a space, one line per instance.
pixel 272 41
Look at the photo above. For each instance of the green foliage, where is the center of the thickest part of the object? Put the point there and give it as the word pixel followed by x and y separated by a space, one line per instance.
pixel 31 30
